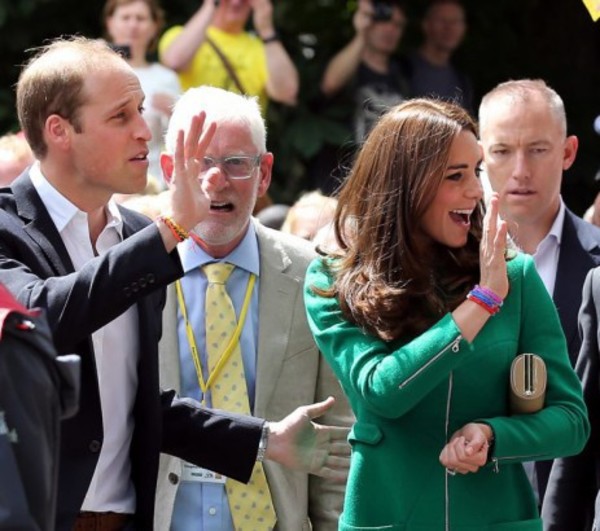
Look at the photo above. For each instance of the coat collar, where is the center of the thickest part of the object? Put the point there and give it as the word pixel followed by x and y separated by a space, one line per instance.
pixel 39 225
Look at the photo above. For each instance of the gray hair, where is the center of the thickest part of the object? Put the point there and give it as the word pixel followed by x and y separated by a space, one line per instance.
pixel 220 107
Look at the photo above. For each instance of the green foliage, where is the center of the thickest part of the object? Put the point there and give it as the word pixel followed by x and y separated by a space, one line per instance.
pixel 552 39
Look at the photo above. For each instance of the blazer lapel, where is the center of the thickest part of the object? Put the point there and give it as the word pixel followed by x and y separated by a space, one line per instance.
pixel 578 254
pixel 168 348
pixel 40 227
pixel 276 287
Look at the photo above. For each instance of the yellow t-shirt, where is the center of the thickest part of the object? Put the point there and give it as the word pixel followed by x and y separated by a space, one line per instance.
pixel 245 52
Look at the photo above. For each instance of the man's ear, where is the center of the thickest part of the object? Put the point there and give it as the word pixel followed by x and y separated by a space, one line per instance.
pixel 266 169
pixel 166 164
pixel 57 132
pixel 570 151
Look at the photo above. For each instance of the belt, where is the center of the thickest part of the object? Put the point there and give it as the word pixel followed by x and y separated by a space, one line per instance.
pixel 91 521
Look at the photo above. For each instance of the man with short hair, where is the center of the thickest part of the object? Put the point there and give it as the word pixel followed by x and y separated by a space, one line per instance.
pixel 431 70
pixel 366 68
pixel 281 365
pixel 97 270
pixel 523 129
pixel 213 48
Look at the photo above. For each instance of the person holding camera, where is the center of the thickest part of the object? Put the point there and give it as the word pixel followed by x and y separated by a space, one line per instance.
pixel 214 49
pixel 366 66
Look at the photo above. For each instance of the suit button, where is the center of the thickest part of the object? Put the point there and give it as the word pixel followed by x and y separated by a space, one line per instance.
pixel 134 286
pixel 142 283
pixel 173 478
pixel 151 278
pixel 95 446
pixel 127 292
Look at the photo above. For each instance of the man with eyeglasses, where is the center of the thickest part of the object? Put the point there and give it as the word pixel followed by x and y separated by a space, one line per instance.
pixel 282 366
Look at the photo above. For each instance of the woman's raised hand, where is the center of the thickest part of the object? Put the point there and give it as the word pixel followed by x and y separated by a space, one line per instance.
pixel 492 250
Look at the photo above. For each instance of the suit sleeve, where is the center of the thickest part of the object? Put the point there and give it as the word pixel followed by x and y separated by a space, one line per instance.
pixel 214 439
pixel 573 483
pixel 389 378
pixel 79 303
pixel 561 427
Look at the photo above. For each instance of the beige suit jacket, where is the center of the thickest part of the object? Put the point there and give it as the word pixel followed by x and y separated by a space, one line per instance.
pixel 290 373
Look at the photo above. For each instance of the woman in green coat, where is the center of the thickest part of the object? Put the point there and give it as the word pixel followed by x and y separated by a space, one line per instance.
pixel 420 313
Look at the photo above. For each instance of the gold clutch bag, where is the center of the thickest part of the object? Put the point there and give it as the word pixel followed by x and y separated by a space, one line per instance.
pixel 528 380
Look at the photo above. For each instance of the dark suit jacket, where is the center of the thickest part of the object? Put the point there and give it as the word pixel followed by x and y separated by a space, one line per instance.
pixel 36 268
pixel 579 252
pixel 574 481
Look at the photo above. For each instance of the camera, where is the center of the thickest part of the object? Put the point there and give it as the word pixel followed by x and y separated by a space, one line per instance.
pixel 382 11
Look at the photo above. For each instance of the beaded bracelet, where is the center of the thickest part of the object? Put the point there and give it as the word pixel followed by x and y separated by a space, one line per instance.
pixel 176 229
pixel 485 298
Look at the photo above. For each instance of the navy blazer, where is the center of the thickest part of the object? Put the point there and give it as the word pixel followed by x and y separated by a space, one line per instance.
pixel 36 268
pixel 579 252
pixel 575 481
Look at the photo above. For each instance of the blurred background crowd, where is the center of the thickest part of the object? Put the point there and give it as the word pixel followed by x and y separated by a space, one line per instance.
pixel 555 40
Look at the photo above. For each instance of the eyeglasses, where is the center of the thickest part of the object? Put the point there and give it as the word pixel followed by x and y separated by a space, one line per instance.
pixel 236 167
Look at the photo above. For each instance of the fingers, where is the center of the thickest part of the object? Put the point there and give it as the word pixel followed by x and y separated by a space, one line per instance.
pixel 340 449
pixel 463 456
pixel 206 138
pixel 335 475
pixel 191 147
pixel 317 409
pixel 193 134
pixel 334 468
pixel 333 433
pixel 492 211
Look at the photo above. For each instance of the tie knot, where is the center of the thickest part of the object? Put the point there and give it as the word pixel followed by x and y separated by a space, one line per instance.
pixel 218 273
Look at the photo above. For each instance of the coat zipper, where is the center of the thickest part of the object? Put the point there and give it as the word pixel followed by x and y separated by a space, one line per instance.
pixel 454 345
pixel 447 426
pixel 496 460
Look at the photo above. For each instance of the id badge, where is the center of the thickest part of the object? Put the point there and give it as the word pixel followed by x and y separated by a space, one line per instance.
pixel 201 475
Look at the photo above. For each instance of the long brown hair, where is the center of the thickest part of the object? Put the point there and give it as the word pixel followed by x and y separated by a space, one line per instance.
pixel 384 280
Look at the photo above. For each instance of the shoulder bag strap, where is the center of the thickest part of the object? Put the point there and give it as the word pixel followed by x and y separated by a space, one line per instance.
pixel 228 66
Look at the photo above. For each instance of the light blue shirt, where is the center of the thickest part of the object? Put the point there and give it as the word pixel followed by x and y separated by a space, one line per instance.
pixel 204 506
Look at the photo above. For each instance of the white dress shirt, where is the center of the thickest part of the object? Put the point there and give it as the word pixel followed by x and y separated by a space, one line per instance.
pixel 546 254
pixel 116 347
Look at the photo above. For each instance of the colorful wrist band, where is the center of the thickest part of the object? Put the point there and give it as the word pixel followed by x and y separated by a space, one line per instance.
pixel 176 229
pixel 490 309
pixel 489 294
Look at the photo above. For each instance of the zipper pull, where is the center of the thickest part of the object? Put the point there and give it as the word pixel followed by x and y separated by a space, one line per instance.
pixel 495 465
pixel 456 344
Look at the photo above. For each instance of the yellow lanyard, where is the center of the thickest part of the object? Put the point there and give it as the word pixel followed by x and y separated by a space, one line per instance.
pixel 205 386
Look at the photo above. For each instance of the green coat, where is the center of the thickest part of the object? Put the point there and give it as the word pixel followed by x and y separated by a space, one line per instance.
pixel 410 397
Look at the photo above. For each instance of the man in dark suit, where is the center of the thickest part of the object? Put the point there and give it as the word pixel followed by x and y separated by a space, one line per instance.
pixel 526 149
pixel 572 500
pixel 98 271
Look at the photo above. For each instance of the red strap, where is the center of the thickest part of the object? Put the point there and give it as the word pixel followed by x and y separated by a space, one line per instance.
pixel 8 305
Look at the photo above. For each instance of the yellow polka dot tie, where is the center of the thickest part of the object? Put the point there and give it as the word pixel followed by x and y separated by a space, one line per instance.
pixel 251 505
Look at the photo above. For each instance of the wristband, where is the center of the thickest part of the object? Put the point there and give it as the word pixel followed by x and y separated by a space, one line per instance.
pixel 496 299
pixel 490 309
pixel 272 38
pixel 176 229
pixel 485 298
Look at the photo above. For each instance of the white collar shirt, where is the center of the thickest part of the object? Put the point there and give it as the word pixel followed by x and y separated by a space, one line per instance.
pixel 547 252
pixel 116 347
